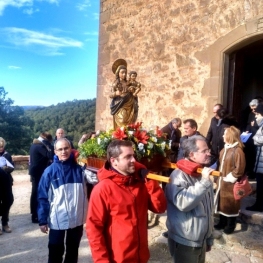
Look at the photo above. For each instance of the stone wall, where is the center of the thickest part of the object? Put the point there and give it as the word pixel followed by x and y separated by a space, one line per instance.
pixel 177 48
pixel 21 162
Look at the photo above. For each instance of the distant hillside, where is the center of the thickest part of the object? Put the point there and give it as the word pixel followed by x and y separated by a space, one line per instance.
pixel 75 117
pixel 32 107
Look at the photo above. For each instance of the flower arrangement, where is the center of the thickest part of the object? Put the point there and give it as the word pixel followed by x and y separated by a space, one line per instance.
pixel 146 144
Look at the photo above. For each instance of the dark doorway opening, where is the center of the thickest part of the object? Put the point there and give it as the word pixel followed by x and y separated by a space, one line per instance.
pixel 245 79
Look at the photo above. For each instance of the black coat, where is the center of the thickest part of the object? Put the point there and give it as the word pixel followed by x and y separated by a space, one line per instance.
pixel 6 182
pixel 41 155
pixel 215 134
pixel 174 135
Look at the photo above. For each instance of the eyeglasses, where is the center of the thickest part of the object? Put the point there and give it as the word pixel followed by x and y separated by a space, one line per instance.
pixel 62 149
pixel 204 151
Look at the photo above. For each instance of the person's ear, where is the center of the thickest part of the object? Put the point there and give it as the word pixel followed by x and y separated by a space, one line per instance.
pixel 113 161
pixel 191 155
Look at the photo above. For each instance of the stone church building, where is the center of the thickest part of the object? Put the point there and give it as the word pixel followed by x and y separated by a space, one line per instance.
pixel 189 55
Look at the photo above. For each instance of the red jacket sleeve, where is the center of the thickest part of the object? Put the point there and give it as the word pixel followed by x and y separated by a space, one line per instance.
pixel 95 225
pixel 157 200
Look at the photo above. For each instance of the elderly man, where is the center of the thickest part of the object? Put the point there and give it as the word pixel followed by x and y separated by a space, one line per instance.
pixel 62 204
pixel 174 135
pixel 190 204
pixel 60 133
pixel 190 129
pixel 117 215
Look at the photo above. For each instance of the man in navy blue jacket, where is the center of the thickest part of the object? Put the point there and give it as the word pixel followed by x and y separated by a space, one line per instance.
pixel 62 203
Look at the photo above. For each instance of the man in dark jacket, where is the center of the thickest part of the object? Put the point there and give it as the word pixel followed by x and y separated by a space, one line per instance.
pixel 41 155
pixel 212 135
pixel 60 133
pixel 174 135
pixel 6 182
pixel 190 129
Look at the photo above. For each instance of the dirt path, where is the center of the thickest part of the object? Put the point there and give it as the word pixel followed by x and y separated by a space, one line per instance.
pixel 27 244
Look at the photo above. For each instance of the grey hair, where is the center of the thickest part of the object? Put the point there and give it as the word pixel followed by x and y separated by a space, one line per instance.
pixel 2 142
pixel 114 148
pixel 253 102
pixel 176 120
pixel 189 145
pixel 60 140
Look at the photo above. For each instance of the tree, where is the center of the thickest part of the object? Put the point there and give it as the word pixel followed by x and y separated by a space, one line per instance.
pixel 75 117
pixel 15 127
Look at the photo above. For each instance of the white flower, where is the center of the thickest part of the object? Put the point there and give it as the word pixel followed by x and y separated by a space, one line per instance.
pixel 98 140
pixel 130 132
pixel 163 145
pixel 154 139
pixel 141 146
pixel 150 145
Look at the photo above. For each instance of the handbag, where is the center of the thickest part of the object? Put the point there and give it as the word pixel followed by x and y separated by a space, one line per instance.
pixel 242 188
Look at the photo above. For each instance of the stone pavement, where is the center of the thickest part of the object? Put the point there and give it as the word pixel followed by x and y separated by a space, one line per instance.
pixel 245 245
pixel 27 244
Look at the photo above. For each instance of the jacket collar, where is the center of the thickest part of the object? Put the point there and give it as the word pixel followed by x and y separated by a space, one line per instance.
pixel 189 167
pixel 228 146
pixel 107 172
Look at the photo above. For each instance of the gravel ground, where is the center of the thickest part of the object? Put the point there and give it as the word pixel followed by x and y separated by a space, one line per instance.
pixel 27 244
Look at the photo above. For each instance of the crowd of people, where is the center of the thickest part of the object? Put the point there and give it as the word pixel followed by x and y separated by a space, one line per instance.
pixel 116 211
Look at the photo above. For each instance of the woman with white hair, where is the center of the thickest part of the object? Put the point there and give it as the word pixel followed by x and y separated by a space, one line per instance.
pixel 6 182
pixel 250 149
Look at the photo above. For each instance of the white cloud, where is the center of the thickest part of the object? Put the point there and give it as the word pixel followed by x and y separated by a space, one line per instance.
pixel 84 5
pixel 45 44
pixel 21 3
pixel 14 67
pixel 30 11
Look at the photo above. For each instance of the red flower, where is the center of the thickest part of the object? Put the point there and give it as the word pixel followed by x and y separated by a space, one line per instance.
pixel 159 133
pixel 141 136
pixel 135 126
pixel 119 134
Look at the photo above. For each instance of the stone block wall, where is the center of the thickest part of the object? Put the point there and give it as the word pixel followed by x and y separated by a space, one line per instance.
pixel 21 162
pixel 177 49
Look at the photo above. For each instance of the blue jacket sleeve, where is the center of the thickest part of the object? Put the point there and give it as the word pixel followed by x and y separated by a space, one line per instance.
pixel 43 202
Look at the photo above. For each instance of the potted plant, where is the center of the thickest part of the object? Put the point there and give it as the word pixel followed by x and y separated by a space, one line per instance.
pixel 150 147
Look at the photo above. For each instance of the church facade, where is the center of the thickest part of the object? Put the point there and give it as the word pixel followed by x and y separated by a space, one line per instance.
pixel 189 55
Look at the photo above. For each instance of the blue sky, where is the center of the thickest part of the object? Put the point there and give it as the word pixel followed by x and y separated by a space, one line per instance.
pixel 48 50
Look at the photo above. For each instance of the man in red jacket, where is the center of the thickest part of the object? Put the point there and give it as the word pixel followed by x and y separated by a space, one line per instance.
pixel 117 213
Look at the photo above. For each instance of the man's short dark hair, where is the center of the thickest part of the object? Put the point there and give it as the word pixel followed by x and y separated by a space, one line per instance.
pixel 114 148
pixel 189 145
pixel 219 105
pixel 192 122
pixel 222 113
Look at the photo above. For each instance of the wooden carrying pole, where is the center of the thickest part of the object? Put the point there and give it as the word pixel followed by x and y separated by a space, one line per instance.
pixel 157 177
pixel 173 166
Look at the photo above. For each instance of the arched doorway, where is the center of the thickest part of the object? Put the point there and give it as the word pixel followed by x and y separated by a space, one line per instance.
pixel 244 79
